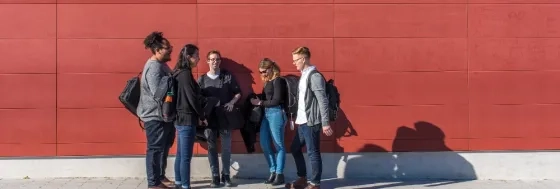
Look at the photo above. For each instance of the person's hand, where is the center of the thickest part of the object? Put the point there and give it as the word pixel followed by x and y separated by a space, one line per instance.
pixel 228 106
pixel 255 101
pixel 327 130
pixel 203 123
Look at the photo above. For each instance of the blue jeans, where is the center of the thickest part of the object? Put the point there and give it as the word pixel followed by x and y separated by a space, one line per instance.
pixel 185 143
pixel 272 126
pixel 309 136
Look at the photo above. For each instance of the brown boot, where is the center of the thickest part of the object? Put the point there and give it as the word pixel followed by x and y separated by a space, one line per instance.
pixel 300 183
pixel 165 181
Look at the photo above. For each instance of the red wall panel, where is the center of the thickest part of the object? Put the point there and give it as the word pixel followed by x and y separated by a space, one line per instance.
pixel 28 126
pixel 514 20
pixel 399 1
pixel 404 88
pixel 422 75
pixel 400 54
pixel 109 21
pixel 28 21
pixel 127 1
pixel 29 55
pixel 262 1
pixel 511 54
pixel 20 90
pixel 400 20
pixel 265 21
pixel 27 79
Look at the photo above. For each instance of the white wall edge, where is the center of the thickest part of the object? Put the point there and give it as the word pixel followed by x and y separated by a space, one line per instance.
pixel 527 165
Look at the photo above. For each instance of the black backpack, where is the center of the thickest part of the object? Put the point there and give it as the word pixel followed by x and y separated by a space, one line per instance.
pixel 333 97
pixel 130 96
pixel 291 97
pixel 165 96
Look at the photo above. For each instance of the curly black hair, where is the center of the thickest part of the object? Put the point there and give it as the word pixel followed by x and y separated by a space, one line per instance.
pixel 154 41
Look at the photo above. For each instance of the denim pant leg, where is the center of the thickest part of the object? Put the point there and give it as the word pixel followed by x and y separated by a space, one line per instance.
pixel 225 136
pixel 313 141
pixel 211 135
pixel 178 157
pixel 276 123
pixel 296 148
pixel 170 139
pixel 156 144
pixel 184 154
pixel 265 137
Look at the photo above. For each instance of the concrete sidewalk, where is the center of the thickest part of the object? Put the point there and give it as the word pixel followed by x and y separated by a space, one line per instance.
pixel 134 183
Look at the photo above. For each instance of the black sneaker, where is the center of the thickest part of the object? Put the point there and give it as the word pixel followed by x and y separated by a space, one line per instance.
pixel 215 182
pixel 270 178
pixel 227 180
pixel 279 180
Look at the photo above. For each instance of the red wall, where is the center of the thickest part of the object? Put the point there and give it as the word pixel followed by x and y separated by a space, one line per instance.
pixel 415 75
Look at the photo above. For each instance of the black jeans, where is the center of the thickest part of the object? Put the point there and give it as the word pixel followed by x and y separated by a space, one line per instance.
pixel 159 138
pixel 171 134
pixel 309 136
pixel 212 137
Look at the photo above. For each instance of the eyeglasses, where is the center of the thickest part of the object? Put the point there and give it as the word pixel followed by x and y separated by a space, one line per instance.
pixel 214 60
pixel 298 59
pixel 263 72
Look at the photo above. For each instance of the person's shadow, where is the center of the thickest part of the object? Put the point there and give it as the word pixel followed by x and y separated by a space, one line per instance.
pixel 419 157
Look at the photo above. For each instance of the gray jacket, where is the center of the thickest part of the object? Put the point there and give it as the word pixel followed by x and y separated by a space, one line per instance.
pixel 316 103
pixel 148 109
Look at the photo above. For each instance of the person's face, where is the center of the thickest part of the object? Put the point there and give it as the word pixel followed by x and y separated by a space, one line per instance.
pixel 164 54
pixel 298 61
pixel 214 61
pixel 195 58
pixel 264 72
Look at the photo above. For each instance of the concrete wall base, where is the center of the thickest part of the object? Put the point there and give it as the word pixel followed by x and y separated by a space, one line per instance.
pixel 401 166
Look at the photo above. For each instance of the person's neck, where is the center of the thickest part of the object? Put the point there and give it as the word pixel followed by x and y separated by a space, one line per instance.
pixel 154 57
pixel 214 71
pixel 305 66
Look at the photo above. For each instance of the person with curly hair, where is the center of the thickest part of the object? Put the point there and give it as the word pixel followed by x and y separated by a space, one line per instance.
pixel 159 134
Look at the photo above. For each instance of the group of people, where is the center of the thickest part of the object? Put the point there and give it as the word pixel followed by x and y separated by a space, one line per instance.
pixel 218 88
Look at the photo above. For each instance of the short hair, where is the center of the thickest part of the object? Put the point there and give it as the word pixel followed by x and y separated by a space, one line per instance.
pixel 214 52
pixel 302 51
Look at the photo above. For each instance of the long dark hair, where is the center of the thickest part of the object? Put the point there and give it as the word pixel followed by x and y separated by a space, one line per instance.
pixel 183 61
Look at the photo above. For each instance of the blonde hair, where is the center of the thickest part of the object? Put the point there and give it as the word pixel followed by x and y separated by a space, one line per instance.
pixel 267 63
pixel 302 51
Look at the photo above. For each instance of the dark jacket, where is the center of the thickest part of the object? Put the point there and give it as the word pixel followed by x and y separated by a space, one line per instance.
pixel 253 117
pixel 225 88
pixel 191 105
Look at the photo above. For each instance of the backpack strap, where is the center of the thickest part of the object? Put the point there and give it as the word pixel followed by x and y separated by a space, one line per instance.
pixel 309 80
pixel 202 80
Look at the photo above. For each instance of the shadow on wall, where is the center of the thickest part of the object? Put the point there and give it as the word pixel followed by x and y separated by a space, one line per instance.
pixel 408 159
pixel 419 157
